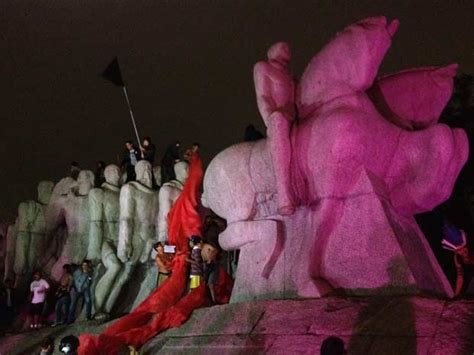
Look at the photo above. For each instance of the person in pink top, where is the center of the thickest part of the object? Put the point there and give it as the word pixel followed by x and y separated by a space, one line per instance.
pixel 39 287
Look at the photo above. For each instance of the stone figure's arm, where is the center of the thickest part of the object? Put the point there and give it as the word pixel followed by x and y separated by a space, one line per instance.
pixel 127 208
pixel 54 215
pixel 164 205
pixel 265 102
pixel 96 197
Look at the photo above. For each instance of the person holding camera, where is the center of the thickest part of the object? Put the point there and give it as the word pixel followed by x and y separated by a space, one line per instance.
pixel 82 281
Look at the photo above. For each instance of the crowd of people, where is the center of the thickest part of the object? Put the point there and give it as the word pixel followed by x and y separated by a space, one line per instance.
pixel 132 154
pixel 74 285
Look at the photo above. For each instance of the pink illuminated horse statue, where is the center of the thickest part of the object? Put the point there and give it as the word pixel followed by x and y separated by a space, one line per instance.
pixel 327 200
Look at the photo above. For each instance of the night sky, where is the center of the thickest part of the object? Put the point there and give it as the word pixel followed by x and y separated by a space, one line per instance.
pixel 187 66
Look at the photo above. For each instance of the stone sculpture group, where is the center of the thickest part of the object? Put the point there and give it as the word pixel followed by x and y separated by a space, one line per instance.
pixel 112 226
pixel 326 202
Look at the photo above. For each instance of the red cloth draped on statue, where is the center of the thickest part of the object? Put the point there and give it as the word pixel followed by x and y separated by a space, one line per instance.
pixel 165 307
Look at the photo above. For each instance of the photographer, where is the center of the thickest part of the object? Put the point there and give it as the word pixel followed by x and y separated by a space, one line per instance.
pixel 82 281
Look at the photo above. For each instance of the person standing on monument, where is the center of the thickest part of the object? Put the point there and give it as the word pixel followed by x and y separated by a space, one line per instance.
pixel 148 150
pixel 172 156
pixel 39 287
pixel 190 151
pixel 82 281
pixel 99 173
pixel 74 170
pixel 131 156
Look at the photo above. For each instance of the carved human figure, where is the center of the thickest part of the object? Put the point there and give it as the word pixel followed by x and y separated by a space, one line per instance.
pixel 275 91
pixel 138 209
pixel 104 207
pixel 168 194
pixel 63 187
pixel 31 244
pixel 73 211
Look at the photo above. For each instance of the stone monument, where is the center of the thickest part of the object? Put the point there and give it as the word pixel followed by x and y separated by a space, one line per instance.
pixel 104 208
pixel 138 210
pixel 355 176
pixel 31 248
pixel 72 210
pixel 168 194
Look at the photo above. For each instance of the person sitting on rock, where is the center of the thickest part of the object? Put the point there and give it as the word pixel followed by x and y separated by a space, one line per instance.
pixel 130 158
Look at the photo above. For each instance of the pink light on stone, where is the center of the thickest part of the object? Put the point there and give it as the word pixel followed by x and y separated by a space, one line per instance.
pixel 364 155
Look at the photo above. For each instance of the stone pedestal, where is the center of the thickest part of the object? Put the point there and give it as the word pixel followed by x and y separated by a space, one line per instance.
pixel 358 244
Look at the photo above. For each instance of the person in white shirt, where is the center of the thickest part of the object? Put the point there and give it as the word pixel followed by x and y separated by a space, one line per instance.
pixel 39 287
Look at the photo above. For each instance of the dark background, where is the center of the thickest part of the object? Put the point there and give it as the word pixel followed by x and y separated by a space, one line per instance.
pixel 187 65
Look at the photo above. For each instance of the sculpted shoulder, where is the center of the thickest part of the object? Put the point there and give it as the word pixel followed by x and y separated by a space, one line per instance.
pixel 96 194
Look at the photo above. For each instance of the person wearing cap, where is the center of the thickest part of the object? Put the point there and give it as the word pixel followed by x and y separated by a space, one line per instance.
pixel 196 261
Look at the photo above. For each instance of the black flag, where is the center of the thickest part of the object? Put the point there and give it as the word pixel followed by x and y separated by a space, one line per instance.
pixel 113 74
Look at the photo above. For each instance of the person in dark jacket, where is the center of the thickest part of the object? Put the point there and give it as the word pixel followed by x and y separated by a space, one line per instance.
pixel 99 173
pixel 82 281
pixel 196 261
pixel 148 150
pixel 131 156
pixel 172 155
pixel 74 170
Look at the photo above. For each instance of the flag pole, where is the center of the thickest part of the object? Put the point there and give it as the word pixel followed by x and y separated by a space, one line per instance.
pixel 131 115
